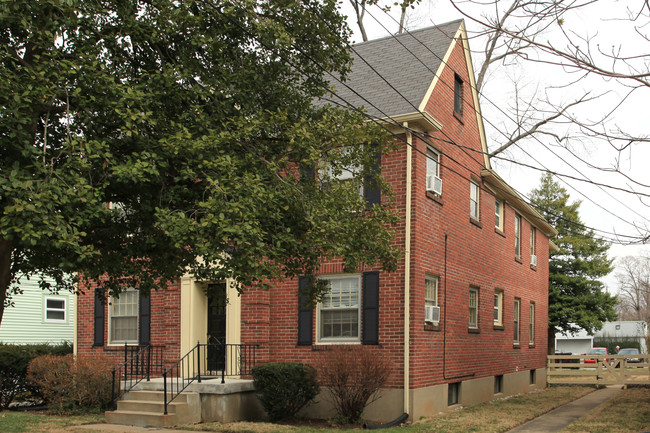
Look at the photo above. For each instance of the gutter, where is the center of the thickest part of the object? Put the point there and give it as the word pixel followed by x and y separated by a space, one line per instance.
pixel 407 269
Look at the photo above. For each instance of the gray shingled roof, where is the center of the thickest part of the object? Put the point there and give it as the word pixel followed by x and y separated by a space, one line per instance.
pixel 390 58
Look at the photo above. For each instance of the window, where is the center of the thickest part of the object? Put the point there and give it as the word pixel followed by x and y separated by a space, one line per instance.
pixel 339 310
pixel 532 379
pixel 344 174
pixel 498 214
pixel 473 200
pixel 498 307
pixel 531 325
pixel 434 183
pixel 458 95
pixel 124 317
pixel 453 393
pixel 54 309
pixel 431 310
pixel 517 236
pixel 516 320
pixel 473 307
pixel 498 384
pixel 533 256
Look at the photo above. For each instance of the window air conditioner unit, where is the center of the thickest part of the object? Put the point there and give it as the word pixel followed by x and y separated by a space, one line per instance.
pixel 533 260
pixel 434 183
pixel 431 313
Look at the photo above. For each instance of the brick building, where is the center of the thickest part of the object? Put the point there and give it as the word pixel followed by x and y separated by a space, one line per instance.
pixel 463 318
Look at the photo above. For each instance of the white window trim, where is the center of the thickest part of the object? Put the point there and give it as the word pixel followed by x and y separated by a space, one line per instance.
pixel 516 314
pixel 518 236
pixel 498 215
pixel 46 309
pixel 474 210
pixel 319 308
pixel 499 307
pixel 110 327
pixel 476 307
pixel 531 325
pixel 429 301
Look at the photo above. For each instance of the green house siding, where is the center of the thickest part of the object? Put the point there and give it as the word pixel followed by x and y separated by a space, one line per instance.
pixel 38 316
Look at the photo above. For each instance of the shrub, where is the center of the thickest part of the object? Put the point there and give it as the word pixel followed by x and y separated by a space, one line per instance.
pixel 69 385
pixel 14 359
pixel 353 377
pixel 284 387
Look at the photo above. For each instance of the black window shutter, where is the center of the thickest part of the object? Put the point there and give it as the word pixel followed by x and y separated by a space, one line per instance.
pixel 144 336
pixel 98 336
pixel 371 191
pixel 371 307
pixel 305 312
pixel 307 171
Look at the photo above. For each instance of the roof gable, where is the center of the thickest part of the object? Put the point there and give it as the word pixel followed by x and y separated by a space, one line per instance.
pixel 391 76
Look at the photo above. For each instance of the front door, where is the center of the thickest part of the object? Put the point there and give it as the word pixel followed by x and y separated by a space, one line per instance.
pixel 216 326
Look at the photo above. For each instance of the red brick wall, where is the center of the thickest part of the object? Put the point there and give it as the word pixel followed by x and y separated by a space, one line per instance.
pixel 476 255
pixel 165 325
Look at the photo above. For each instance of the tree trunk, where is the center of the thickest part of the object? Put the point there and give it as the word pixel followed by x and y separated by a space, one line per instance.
pixel 551 341
pixel 5 272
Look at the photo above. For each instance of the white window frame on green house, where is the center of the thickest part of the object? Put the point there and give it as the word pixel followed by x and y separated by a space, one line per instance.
pixel 344 296
pixel 50 310
pixel 124 309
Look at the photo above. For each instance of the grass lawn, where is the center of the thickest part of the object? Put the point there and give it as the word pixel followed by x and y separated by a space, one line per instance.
pixel 495 416
pixel 41 422
pixel 629 411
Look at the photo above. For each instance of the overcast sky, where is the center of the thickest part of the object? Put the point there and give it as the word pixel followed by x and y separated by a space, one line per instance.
pixel 613 214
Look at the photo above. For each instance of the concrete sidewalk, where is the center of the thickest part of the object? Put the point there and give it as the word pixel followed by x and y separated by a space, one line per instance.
pixel 559 418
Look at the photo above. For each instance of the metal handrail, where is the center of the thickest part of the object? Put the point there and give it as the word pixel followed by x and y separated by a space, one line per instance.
pixel 238 360
pixel 143 362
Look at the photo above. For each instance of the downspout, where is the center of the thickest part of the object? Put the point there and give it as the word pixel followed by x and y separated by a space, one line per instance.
pixel 407 270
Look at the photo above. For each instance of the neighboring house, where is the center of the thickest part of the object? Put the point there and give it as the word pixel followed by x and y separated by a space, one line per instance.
pixel 38 316
pixel 464 317
pixel 575 343
pixel 581 342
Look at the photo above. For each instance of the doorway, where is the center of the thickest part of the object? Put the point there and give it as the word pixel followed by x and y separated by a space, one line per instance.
pixel 217 301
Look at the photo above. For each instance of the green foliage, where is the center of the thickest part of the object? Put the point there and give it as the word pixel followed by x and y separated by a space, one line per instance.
pixel 611 342
pixel 576 296
pixel 194 118
pixel 284 387
pixel 69 384
pixel 14 360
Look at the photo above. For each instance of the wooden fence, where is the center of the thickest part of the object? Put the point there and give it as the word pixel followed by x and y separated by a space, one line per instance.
pixel 598 369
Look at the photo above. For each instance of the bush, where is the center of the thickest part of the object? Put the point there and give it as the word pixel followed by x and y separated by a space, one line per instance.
pixel 611 342
pixel 14 359
pixel 70 385
pixel 353 377
pixel 284 387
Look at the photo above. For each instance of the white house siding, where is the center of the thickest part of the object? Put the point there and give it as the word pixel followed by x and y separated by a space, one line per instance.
pixel 25 322
pixel 626 329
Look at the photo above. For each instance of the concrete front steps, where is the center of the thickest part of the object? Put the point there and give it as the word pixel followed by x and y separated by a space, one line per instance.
pixel 146 409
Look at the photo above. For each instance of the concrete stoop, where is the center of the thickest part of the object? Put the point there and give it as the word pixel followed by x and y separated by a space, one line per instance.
pixel 146 409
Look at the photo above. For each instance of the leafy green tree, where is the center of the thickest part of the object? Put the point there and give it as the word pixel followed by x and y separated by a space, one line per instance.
pixel 576 296
pixel 196 121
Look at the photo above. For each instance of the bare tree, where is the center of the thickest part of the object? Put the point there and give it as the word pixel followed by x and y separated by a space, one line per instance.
pixel 633 278
pixel 360 7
